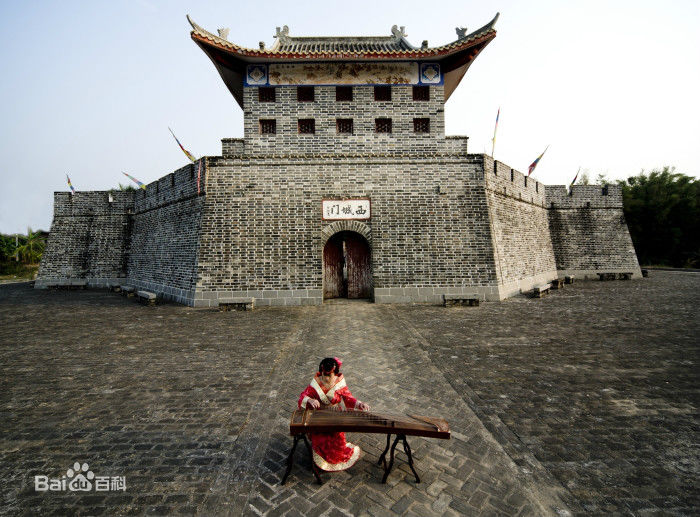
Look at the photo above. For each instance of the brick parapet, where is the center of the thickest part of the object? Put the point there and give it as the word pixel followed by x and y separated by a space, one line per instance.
pixel 583 196
pixel 504 180
pixel 93 203
pixel 177 186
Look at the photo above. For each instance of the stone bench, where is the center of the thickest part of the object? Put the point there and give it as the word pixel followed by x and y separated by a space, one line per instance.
pixel 569 279
pixel 540 290
pixel 115 288
pixel 146 297
pixel 558 283
pixel 453 300
pixel 604 277
pixel 236 304
pixel 128 291
pixel 625 276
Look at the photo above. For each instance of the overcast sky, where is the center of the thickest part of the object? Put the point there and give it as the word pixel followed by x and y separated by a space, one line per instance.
pixel 90 88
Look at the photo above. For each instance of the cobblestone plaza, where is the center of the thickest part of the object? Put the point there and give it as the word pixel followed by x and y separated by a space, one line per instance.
pixel 583 402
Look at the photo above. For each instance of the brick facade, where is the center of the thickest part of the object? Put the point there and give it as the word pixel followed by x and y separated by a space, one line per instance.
pixel 442 221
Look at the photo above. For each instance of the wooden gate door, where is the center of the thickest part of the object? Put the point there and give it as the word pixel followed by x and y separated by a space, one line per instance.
pixel 358 266
pixel 333 262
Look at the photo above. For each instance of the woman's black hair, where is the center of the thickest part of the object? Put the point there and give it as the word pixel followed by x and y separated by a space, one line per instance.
pixel 328 365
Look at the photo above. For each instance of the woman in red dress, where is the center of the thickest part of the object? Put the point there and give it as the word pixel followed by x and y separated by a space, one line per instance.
pixel 328 389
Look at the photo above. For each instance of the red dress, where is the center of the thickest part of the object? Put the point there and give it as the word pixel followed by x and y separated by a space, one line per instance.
pixel 330 450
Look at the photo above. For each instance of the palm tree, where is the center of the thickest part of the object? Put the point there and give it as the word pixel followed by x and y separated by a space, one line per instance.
pixel 30 251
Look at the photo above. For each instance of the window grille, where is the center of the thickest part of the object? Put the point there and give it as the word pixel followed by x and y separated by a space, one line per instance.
pixel 344 125
pixel 268 127
pixel 421 125
pixel 307 126
pixel 421 93
pixel 382 125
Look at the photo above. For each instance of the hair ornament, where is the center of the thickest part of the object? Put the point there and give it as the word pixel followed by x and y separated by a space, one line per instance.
pixel 340 363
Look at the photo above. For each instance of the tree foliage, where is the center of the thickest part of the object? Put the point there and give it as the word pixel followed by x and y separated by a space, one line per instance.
pixel 662 209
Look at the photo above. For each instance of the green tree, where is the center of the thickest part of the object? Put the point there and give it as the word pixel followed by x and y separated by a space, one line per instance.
pixel 662 209
pixel 7 247
pixel 32 247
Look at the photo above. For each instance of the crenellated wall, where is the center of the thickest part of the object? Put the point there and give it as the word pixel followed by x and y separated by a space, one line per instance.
pixel 589 232
pixel 89 238
pixel 444 223
pixel 165 235
pixel 519 228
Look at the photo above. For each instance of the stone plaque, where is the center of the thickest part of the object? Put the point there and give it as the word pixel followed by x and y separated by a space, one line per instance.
pixel 341 209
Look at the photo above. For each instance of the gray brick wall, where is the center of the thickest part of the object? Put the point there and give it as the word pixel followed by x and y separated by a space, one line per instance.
pixel 589 232
pixel 262 227
pixel 165 235
pixel 363 109
pixel 88 238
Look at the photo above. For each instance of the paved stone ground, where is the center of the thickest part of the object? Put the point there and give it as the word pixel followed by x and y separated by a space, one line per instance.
pixel 583 402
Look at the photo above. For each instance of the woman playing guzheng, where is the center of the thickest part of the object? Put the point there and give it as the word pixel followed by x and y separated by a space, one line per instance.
pixel 327 389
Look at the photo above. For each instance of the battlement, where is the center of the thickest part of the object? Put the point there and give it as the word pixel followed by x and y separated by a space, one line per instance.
pixel 171 188
pixel 93 203
pixel 583 196
pixel 504 180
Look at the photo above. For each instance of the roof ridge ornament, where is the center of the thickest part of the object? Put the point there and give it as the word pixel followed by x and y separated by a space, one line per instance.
pixel 282 35
pixel 461 32
pixel 398 34
pixel 223 32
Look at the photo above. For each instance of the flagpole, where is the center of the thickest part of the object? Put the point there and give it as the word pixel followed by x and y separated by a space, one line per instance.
pixel 495 127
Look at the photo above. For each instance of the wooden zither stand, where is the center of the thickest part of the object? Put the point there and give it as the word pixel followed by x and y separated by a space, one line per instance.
pixel 306 421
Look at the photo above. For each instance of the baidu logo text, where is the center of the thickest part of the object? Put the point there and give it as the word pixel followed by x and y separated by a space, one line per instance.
pixel 79 479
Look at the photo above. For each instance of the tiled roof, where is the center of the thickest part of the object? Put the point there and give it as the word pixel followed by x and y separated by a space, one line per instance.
pixel 332 47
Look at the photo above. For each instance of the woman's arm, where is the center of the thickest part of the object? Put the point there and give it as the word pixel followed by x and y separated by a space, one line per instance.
pixel 308 398
pixel 350 401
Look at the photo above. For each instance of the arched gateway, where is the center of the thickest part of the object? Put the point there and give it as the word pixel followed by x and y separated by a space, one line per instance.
pixel 347 263
pixel 347 267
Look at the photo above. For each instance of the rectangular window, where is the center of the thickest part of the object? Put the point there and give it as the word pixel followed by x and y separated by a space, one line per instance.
pixel 421 125
pixel 382 93
pixel 268 127
pixel 382 125
pixel 421 93
pixel 343 93
pixel 305 93
pixel 266 94
pixel 307 126
pixel 343 125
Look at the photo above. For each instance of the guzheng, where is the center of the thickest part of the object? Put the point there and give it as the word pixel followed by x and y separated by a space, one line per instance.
pixel 337 420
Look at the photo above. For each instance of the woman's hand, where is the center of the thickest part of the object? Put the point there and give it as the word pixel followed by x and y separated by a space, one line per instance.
pixel 362 406
pixel 315 404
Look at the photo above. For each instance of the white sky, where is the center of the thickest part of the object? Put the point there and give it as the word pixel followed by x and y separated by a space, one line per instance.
pixel 90 88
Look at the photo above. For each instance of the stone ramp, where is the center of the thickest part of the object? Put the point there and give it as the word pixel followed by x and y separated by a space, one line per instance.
pixel 386 367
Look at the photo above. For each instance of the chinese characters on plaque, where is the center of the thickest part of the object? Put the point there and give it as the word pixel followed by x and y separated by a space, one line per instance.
pixel 345 209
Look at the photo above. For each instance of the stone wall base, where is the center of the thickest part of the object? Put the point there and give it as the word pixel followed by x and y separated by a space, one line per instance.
pixel 592 274
pixel 263 297
pixel 513 288
pixel 166 292
pixel 430 294
pixel 98 283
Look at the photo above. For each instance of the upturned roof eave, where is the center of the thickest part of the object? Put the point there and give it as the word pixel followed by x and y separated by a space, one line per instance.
pixel 208 41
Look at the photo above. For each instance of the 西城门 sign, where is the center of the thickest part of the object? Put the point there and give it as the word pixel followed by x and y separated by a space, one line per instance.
pixel 332 209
